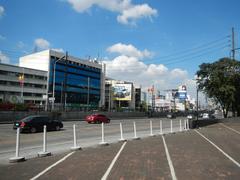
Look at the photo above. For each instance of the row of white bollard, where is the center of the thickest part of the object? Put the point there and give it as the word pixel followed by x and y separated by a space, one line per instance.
pixel 44 153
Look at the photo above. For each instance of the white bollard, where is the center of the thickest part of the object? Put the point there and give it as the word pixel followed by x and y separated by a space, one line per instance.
pixel 121 134
pixel 44 152
pixel 171 127
pixel 75 147
pixel 185 125
pixel 180 125
pixel 161 128
pixel 135 131
pixel 151 128
pixel 17 158
pixel 103 141
pixel 188 124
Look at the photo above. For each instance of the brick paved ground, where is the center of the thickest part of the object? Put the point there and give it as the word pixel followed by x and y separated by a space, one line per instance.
pixel 192 156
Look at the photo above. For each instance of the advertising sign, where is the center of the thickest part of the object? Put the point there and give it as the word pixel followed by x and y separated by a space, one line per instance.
pixel 122 92
pixel 182 95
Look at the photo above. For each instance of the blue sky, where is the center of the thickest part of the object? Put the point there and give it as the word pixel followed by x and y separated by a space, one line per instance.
pixel 159 42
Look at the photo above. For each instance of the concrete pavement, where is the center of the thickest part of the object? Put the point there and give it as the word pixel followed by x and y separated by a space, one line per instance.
pixel 211 152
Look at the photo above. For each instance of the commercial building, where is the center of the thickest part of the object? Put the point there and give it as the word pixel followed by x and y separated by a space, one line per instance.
pixel 71 81
pixel 19 84
pixel 175 100
pixel 120 95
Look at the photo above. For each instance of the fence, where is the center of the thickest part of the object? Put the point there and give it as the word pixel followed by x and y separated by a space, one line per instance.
pixel 131 130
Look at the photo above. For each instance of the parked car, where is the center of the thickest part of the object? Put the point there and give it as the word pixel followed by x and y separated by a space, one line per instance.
pixel 97 118
pixel 171 116
pixel 35 123
pixel 205 116
pixel 190 116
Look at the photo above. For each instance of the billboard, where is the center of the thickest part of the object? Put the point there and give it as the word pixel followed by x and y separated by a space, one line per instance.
pixel 182 95
pixel 122 92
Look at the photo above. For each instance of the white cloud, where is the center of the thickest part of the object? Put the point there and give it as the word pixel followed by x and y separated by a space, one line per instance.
pixel 129 16
pixel 133 70
pixel 58 50
pixel 4 59
pixel 113 5
pixel 129 50
pixel 178 73
pixel 129 67
pixel 129 12
pixel 1 11
pixel 41 44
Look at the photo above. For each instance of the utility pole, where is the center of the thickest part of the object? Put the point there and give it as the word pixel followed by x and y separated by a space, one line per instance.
pixel 197 102
pixel 88 82
pixel 65 82
pixel 233 44
pixel 109 98
pixel 153 99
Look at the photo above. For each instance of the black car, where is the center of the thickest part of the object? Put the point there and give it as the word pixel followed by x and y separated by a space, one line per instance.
pixel 35 123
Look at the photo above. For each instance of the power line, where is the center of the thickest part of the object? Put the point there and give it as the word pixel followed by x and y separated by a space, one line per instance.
pixel 189 54
pixel 205 53
pixel 197 47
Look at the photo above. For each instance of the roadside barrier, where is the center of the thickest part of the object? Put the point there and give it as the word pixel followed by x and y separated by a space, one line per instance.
pixel 161 128
pixel 17 158
pixel 180 125
pixel 151 128
pixel 44 152
pixel 183 126
pixel 121 133
pixel 75 147
pixel 135 131
pixel 103 141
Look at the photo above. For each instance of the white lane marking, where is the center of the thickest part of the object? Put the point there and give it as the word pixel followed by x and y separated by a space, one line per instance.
pixel 230 128
pixel 50 167
pixel 218 148
pixel 169 160
pixel 113 162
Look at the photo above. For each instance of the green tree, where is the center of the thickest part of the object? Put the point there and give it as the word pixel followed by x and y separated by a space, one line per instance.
pixel 221 82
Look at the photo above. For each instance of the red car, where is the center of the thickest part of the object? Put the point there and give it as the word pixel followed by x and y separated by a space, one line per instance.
pixel 97 118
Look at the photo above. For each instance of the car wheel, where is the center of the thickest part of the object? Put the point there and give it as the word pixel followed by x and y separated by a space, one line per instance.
pixel 57 128
pixel 33 130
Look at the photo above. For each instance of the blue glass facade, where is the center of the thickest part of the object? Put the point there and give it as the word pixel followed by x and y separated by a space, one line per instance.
pixel 74 82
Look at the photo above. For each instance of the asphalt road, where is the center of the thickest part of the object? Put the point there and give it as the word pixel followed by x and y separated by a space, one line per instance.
pixel 87 135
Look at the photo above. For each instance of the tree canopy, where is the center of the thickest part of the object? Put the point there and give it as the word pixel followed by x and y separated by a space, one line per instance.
pixel 221 82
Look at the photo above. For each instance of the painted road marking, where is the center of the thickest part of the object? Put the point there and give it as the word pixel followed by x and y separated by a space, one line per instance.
pixel 50 167
pixel 230 128
pixel 113 162
pixel 169 160
pixel 228 156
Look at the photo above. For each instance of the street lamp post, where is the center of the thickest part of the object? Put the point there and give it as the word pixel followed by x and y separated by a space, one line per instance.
pixel 54 72
pixel 197 103
pixel 197 95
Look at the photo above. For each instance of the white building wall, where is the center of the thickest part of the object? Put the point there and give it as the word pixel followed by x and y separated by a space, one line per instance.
pixel 39 60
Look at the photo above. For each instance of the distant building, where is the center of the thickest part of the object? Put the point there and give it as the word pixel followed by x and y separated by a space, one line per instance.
pixel 77 82
pixel 22 85
pixel 119 95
